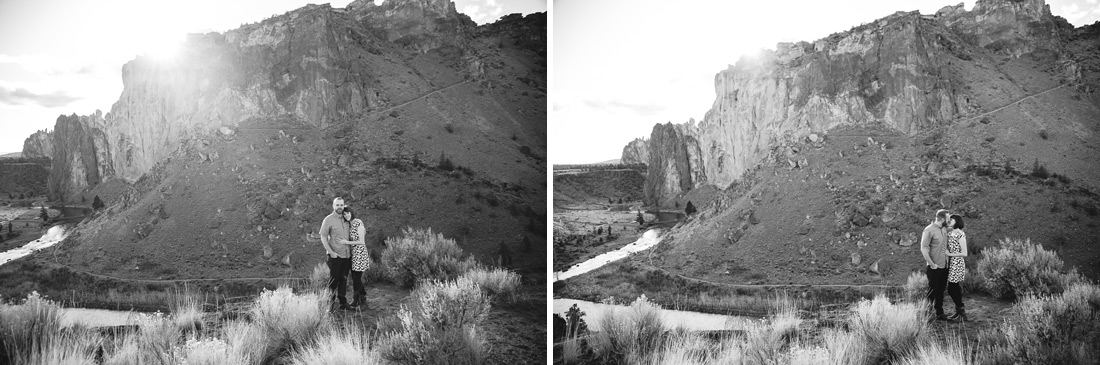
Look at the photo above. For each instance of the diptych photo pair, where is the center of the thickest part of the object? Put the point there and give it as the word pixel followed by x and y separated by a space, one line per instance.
pixel 550 182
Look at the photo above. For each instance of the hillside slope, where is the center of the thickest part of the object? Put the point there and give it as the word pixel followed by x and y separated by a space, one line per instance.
pixel 829 156
pixel 223 162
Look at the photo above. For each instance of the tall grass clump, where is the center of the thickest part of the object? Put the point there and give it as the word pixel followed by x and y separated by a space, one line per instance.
pixel 1018 267
pixel 837 347
pixel 153 343
pixel 25 329
pixel 188 315
pixel 889 331
pixel 420 254
pixel 210 351
pixel 290 322
pixel 1056 329
pixel 767 341
pixel 245 341
pixel 441 326
pixel 916 287
pixel 31 333
pixel 497 281
pixel 319 277
pixel 631 333
pixel 346 347
pixel 934 353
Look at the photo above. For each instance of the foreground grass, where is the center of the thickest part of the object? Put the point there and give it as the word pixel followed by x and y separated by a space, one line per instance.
pixel 440 323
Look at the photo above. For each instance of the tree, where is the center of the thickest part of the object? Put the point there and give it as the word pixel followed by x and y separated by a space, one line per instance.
pixel 620 200
pixel 45 215
pixel 609 201
pixel 599 231
pixel 83 200
pixel 689 209
pixel 445 163
pixel 609 230
pixel 640 219
pixel 96 203
pixel 575 325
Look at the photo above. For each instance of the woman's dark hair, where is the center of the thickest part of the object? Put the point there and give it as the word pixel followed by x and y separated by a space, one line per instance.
pixel 958 221
pixel 348 210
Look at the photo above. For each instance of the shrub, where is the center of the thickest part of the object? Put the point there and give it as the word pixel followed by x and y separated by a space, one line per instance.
pixel 689 209
pixel 889 330
pixel 188 316
pixel 633 335
pixel 441 326
pixel 571 350
pixel 1039 171
pixel 97 204
pixel 916 287
pixel 245 341
pixel 1061 329
pixel 449 127
pixel 347 347
pixel 445 163
pixel 319 277
pixel 1018 267
pixel 154 343
pixel 209 351
pixel 31 333
pixel 498 282
pixel 934 353
pixel 1043 134
pixel 289 321
pixel 764 342
pixel 420 254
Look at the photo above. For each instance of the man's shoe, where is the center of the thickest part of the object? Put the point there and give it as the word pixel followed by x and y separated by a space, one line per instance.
pixel 960 314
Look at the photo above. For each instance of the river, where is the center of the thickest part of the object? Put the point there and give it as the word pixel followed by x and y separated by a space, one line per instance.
pixel 53 235
pixel 649 239
pixel 691 321
pixel 100 317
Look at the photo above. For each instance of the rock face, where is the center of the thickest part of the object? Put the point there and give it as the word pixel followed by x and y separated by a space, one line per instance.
pixel 38 145
pixel 636 152
pixel 894 72
pixel 675 161
pixel 316 65
pixel 81 156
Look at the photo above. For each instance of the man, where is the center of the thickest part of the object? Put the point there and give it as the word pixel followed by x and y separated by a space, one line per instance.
pixel 932 243
pixel 339 255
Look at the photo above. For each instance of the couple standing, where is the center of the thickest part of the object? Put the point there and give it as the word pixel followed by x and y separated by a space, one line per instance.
pixel 342 235
pixel 943 244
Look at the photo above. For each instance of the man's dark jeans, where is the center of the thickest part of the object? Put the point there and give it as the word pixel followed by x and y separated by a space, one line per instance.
pixel 937 283
pixel 338 277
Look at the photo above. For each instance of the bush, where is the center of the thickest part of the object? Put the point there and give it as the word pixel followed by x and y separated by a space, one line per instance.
pixel 319 277
pixel 1018 267
pixel 441 326
pixel 289 321
pixel 1061 329
pixel 1039 171
pixel 889 331
pixel 31 333
pixel 420 254
pixel 497 282
pixel 347 347
pixel 916 287
pixel 633 335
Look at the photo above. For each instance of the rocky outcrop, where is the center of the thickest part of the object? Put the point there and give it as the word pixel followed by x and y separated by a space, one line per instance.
pixel 636 152
pixel 895 72
pixel 38 145
pixel 675 162
pixel 422 25
pixel 80 157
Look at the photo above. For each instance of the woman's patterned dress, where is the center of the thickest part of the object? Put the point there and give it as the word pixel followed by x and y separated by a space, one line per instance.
pixel 955 264
pixel 360 257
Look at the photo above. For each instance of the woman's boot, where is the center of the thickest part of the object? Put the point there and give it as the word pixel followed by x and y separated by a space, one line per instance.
pixel 960 313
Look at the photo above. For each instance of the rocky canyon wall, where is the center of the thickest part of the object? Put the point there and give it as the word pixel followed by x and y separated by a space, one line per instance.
pixel 38 145
pixel 894 72
pixel 80 151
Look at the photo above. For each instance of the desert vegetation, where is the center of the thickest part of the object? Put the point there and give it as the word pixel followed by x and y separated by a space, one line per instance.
pixel 1054 318
pixel 440 322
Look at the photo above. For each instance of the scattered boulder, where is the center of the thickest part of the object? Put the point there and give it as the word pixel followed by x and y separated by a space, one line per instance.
pixel 856 259
pixel 735 235
pixel 753 219
pixel 214 156
pixel 875 267
pixel 226 131
pixel 202 157
pixel 268 251
pixel 814 138
pixel 908 239
pixel 344 160
pixel 888 217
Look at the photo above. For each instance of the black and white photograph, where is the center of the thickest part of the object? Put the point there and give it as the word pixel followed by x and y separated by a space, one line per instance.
pixel 273 182
pixel 809 182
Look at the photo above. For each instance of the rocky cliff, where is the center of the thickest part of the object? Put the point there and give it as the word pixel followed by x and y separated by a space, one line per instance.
pixel 38 145
pixel 81 156
pixel 635 152
pixel 318 65
pixel 902 72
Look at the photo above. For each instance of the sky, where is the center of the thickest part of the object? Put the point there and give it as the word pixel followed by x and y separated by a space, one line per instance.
pixel 59 57
pixel 620 66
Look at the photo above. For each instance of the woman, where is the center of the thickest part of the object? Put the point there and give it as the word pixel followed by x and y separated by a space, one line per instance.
pixel 956 264
pixel 360 257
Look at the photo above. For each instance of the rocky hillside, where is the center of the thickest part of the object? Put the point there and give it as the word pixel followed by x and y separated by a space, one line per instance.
pixel 224 159
pixel 38 145
pixel 829 155
pixel 909 72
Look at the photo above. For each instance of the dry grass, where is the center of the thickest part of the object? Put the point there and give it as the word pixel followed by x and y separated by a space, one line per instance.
pixel 889 330
pixel 345 347
pixel 497 282
pixel 290 321
pixel 916 287
pixel 631 333
pixel 420 254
